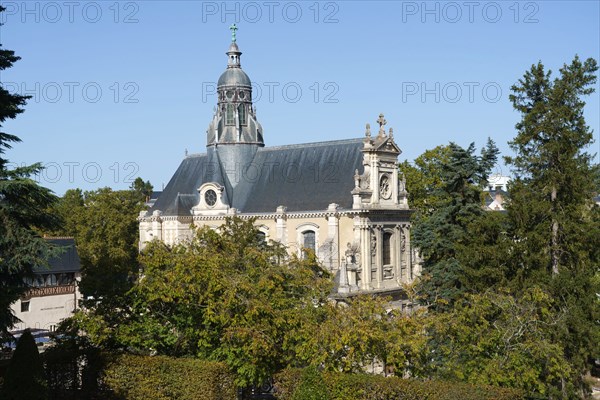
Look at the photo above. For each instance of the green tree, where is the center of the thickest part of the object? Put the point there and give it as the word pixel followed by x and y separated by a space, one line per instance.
pixel 225 295
pixel 424 179
pixel 144 189
pixel 486 252
pixel 68 208
pixel 104 225
pixel 25 377
pixel 347 336
pixel 501 339
pixel 554 222
pixel 23 210
pixel 107 242
pixel 311 386
pixel 438 235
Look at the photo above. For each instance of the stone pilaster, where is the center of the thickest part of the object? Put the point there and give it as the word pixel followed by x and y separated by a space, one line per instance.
pixel 281 225
pixel 379 257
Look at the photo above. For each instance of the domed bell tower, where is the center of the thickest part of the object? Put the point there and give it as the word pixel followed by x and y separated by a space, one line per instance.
pixel 234 133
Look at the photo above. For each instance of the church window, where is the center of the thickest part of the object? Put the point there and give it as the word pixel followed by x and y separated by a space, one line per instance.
pixel 242 114
pixel 387 248
pixel 309 241
pixel 229 118
pixel 261 237
pixel 24 306
pixel 210 197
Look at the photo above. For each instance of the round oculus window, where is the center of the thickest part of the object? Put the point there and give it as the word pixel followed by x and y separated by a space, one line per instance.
pixel 210 197
pixel 385 189
pixel 229 94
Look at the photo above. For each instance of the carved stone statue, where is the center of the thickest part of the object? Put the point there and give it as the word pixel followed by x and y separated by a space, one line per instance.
pixel 365 181
pixel 350 254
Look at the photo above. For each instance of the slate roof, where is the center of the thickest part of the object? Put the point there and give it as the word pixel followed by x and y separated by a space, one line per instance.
pixel 302 177
pixel 67 261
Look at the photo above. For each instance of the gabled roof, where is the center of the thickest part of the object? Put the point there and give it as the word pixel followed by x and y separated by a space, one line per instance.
pixel 386 144
pixel 67 261
pixel 302 177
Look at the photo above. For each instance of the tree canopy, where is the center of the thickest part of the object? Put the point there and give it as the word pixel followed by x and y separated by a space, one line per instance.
pixel 437 235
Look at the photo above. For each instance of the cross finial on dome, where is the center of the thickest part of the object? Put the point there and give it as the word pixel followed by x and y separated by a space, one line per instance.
pixel 233 28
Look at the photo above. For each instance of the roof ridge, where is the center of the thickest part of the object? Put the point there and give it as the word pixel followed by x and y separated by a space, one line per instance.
pixel 194 155
pixel 322 143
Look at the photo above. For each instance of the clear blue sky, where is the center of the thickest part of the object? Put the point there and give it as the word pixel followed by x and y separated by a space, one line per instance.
pixel 439 71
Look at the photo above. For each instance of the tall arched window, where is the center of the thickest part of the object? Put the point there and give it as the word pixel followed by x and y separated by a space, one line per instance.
pixel 387 248
pixel 261 237
pixel 308 241
pixel 242 114
pixel 229 117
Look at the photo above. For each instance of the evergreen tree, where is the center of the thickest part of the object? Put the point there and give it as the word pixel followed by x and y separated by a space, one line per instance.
pixel 554 221
pixel 438 235
pixel 23 210
pixel 25 377
pixel 144 189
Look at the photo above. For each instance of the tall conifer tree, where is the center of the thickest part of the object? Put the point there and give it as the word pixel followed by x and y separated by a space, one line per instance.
pixel 554 220
pixel 463 175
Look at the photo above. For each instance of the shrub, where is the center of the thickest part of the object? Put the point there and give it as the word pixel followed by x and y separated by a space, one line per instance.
pixel 341 386
pixel 311 386
pixel 157 378
pixel 25 377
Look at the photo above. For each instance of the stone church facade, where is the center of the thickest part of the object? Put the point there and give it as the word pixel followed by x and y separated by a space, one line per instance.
pixel 342 199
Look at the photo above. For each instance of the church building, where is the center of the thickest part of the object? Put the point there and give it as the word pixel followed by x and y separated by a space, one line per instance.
pixel 342 199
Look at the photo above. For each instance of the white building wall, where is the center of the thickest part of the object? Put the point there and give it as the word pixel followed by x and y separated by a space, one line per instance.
pixel 45 312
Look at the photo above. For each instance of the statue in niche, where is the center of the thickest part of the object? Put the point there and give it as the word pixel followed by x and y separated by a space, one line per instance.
pixel 402 240
pixel 350 254
pixel 364 180
pixel 402 183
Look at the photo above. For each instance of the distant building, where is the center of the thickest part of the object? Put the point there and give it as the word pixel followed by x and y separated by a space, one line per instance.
pixel 53 294
pixel 496 192
pixel 152 199
pixel 342 199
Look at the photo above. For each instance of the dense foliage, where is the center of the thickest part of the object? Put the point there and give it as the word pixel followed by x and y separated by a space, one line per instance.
pixel 552 217
pixel 225 296
pixel 163 378
pixel 340 386
pixel 462 175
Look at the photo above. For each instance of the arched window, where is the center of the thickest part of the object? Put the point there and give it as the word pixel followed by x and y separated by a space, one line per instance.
pixel 242 114
pixel 387 248
pixel 261 237
pixel 308 238
pixel 229 117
